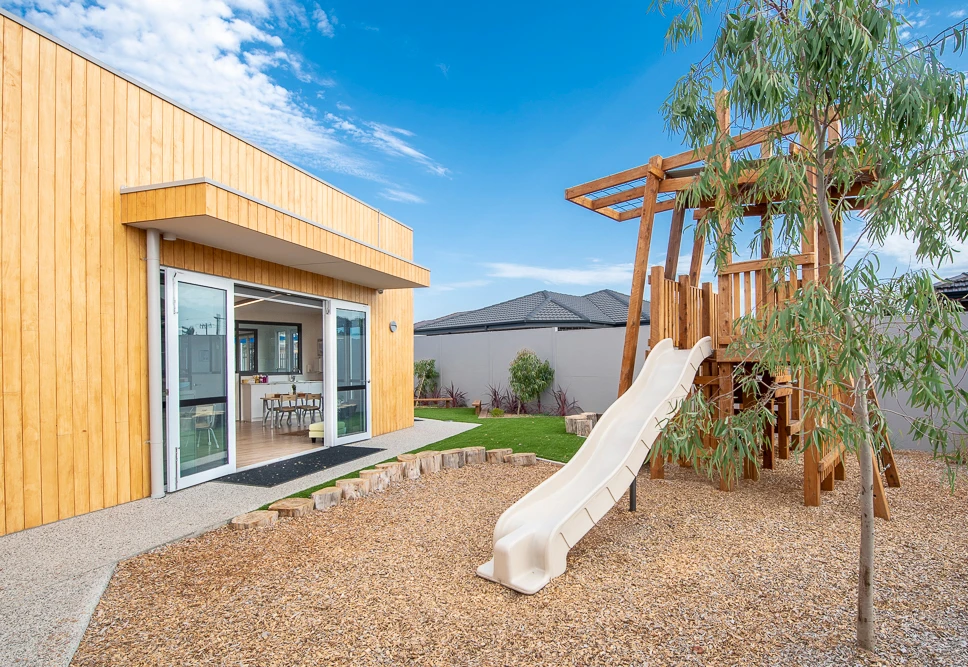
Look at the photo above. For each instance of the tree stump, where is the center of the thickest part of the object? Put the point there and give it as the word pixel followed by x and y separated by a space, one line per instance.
pixel 353 488
pixel 326 498
pixel 292 507
pixel 411 465
pixel 393 469
pixel 523 459
pixel 571 422
pixel 593 417
pixel 497 455
pixel 379 479
pixel 474 455
pixel 430 462
pixel 257 519
pixel 454 458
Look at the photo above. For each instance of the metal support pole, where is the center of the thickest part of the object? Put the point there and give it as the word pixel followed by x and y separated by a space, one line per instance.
pixel 155 425
pixel 632 490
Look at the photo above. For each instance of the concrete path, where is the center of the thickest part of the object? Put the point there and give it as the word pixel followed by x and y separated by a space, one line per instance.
pixel 52 577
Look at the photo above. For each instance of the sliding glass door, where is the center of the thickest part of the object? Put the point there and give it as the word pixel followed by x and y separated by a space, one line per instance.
pixel 200 359
pixel 348 373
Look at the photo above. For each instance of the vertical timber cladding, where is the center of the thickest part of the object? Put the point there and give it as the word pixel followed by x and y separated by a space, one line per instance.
pixel 73 316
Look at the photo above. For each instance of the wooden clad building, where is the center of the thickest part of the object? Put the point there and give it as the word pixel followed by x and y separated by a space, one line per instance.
pixel 92 165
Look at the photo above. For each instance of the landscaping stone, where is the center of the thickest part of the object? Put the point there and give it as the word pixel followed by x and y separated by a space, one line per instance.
pixel 292 507
pixel 256 519
pixel 454 458
pixel 394 470
pixel 411 469
pixel 523 459
pixel 474 455
pixel 379 479
pixel 354 488
pixel 326 498
pixel 497 455
pixel 430 461
pixel 579 425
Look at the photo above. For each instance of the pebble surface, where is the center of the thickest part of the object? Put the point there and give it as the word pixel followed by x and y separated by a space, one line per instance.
pixel 695 577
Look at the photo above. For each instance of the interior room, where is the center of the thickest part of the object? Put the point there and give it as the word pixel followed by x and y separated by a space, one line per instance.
pixel 279 375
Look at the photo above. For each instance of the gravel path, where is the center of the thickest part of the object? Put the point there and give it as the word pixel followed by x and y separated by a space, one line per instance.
pixel 695 577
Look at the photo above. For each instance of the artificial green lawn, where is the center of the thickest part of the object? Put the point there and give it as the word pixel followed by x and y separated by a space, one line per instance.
pixel 545 436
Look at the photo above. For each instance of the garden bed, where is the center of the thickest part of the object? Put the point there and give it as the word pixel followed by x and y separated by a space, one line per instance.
pixel 696 576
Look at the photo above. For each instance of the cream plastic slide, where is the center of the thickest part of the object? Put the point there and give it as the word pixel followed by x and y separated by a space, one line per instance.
pixel 532 538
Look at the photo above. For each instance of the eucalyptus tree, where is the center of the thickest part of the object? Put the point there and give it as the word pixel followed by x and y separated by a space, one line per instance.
pixel 880 128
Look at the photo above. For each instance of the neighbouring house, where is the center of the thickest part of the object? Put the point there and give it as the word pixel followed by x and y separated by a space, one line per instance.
pixel 605 308
pixel 955 288
pixel 581 336
pixel 154 267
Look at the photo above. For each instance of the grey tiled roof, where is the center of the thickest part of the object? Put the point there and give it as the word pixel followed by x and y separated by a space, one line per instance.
pixel 605 308
pixel 955 288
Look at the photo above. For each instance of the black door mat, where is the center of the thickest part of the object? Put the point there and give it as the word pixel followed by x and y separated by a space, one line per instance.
pixel 281 472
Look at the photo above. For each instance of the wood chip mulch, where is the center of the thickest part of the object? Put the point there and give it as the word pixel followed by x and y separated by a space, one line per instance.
pixel 696 576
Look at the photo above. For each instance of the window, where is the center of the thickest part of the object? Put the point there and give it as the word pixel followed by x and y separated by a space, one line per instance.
pixel 268 348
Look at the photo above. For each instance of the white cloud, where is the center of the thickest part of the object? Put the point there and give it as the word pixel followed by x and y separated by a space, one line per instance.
pixel 445 69
pixel 597 274
pixel 343 106
pixel 959 13
pixel 214 56
pixel 387 139
pixel 325 23
pixel 466 284
pixel 219 58
pixel 401 196
pixel 899 251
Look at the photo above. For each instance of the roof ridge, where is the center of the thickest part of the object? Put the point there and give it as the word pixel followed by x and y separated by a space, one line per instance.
pixel 570 309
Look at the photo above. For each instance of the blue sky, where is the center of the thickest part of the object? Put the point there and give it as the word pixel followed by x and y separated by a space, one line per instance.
pixel 465 121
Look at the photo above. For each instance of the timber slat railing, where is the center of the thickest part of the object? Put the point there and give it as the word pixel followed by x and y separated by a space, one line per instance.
pixel 685 313
pixel 681 311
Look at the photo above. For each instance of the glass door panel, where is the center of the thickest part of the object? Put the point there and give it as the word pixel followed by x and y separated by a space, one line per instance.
pixel 201 358
pixel 352 372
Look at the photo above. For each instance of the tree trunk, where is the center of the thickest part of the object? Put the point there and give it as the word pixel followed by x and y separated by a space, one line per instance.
pixel 866 634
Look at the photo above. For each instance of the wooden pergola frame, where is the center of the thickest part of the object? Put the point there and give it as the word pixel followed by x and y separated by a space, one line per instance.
pixel 658 183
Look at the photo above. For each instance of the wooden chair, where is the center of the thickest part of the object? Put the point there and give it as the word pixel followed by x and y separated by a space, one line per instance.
pixel 312 404
pixel 270 403
pixel 288 406
pixel 204 419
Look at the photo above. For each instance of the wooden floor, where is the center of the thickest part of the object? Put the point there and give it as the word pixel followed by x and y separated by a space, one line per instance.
pixel 257 444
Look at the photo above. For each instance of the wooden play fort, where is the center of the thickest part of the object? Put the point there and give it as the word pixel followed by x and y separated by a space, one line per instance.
pixel 685 310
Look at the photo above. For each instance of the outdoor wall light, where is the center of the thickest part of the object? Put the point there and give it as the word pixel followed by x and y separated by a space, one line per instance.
pixel 393 326
pixel 168 236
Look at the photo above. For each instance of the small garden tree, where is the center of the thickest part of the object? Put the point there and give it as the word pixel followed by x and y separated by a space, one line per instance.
pixel 529 377
pixel 861 102
pixel 425 377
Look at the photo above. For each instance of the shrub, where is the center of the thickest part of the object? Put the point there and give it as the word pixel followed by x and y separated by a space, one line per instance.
pixel 497 412
pixel 564 405
pixel 458 397
pixel 495 397
pixel 530 376
pixel 513 403
pixel 425 378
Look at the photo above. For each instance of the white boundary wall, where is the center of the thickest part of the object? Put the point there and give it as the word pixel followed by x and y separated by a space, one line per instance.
pixel 586 361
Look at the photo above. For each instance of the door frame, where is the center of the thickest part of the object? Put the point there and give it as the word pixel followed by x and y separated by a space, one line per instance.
pixel 330 409
pixel 174 480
